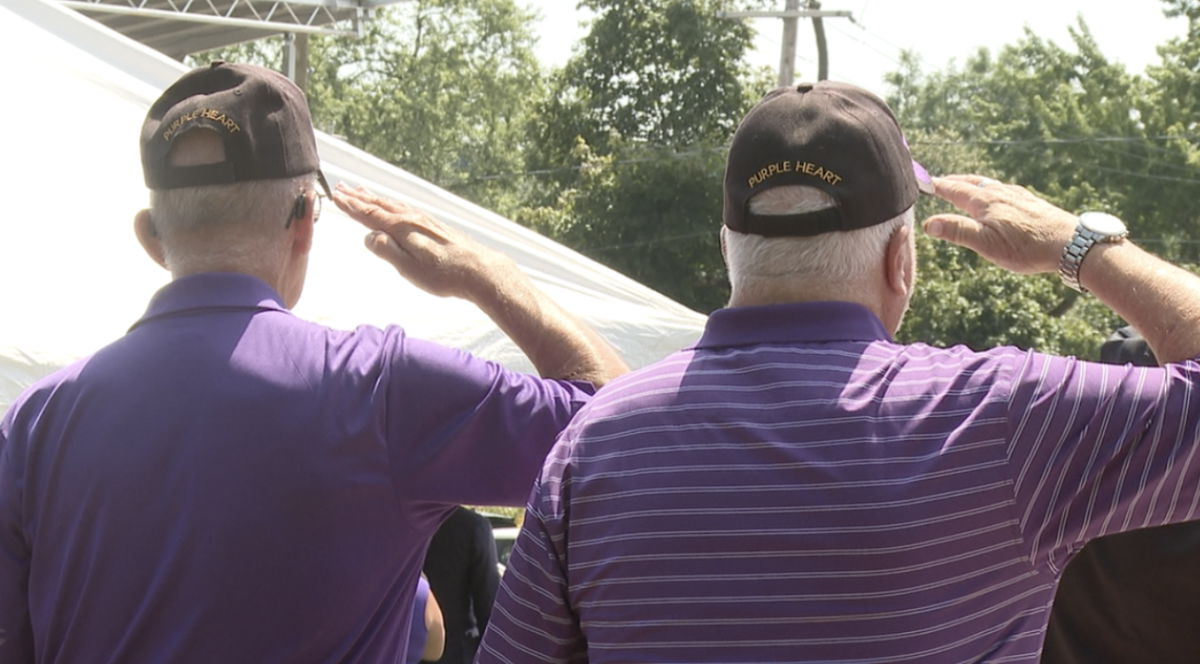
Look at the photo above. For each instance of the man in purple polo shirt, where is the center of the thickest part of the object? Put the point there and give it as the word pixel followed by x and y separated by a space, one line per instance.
pixel 229 483
pixel 798 487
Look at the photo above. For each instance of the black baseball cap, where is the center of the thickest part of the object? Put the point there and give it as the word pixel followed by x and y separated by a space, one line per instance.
pixel 833 136
pixel 261 116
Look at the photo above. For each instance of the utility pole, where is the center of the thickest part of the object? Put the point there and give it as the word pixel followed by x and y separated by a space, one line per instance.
pixel 819 34
pixel 787 55
pixel 295 58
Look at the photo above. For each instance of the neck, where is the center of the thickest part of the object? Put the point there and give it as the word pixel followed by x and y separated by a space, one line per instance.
pixel 873 299
pixel 266 263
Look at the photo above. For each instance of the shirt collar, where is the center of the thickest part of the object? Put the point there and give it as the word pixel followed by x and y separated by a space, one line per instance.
pixel 212 290
pixel 791 323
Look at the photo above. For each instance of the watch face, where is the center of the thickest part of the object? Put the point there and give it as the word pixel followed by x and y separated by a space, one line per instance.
pixel 1102 223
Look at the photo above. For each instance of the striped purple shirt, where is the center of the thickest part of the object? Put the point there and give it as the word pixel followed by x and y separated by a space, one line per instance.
pixel 800 488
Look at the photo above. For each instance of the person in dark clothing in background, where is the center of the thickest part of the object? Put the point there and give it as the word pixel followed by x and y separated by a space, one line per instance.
pixel 463 574
pixel 1132 596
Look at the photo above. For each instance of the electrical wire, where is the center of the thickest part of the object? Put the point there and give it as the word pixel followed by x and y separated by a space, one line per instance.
pixel 649 242
pixel 1148 141
pixel 891 58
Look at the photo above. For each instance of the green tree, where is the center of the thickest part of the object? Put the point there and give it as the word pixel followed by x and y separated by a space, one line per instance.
pixel 628 145
pixel 649 212
pixel 441 88
pixel 1170 111
pixel 1059 121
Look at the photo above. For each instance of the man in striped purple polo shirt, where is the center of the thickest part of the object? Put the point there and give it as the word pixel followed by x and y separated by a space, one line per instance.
pixel 798 487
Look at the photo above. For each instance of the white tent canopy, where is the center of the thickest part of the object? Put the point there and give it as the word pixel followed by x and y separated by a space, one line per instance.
pixel 75 277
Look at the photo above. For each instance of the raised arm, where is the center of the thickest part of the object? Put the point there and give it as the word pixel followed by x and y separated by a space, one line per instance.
pixel 1020 232
pixel 444 262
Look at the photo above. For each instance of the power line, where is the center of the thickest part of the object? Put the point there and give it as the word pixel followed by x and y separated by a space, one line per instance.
pixel 1116 149
pixel 689 153
pixel 880 37
pixel 1144 176
pixel 673 155
pixel 1057 140
pixel 847 35
pixel 710 232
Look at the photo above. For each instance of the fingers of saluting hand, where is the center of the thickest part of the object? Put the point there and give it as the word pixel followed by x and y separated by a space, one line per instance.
pixel 383 214
pixel 1004 223
pixel 408 255
pixel 974 193
pixel 953 228
pixel 362 206
pixel 430 254
pixel 382 245
pixel 969 193
pixel 415 257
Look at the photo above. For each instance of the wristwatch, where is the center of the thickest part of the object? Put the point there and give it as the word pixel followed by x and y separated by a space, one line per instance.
pixel 1093 227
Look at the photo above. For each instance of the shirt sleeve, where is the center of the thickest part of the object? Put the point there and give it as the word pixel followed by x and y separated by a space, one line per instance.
pixel 1097 449
pixel 16 632
pixel 463 430
pixel 532 620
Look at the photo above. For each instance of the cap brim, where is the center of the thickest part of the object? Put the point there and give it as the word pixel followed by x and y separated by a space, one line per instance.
pixel 329 192
pixel 924 180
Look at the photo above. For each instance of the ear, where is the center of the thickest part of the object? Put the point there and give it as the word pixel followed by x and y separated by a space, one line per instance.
pixel 147 234
pixel 899 261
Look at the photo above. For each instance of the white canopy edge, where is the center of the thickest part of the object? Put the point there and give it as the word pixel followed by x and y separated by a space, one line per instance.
pixel 76 278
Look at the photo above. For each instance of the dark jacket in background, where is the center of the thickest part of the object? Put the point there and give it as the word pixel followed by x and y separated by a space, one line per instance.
pixel 1134 596
pixel 463 575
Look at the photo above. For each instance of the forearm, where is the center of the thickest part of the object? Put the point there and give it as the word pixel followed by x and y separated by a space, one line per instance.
pixel 446 262
pixel 1159 299
pixel 557 344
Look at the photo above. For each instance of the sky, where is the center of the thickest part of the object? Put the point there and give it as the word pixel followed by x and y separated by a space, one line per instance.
pixel 939 31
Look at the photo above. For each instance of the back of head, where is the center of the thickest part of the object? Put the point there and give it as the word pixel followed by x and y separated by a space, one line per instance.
pixel 260 116
pixel 830 136
pixel 818 178
pixel 225 151
pixel 825 266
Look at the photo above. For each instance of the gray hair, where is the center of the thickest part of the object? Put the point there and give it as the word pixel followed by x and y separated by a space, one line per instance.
pixel 829 261
pixel 229 225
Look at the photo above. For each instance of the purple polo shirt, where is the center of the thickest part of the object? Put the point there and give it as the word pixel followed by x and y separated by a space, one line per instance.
pixel 229 483
pixel 800 488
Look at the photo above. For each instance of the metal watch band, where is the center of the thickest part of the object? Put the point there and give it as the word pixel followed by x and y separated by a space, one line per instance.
pixel 1072 256
pixel 1079 246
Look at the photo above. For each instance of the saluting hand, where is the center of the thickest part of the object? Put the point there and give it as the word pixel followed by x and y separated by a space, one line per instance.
pixel 1007 224
pixel 430 254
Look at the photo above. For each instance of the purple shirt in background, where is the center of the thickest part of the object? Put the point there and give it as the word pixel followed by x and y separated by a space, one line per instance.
pixel 800 488
pixel 229 483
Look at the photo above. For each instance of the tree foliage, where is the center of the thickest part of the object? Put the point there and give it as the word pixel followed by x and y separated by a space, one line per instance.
pixel 1076 128
pixel 630 141
pixel 441 88
pixel 649 212
pixel 620 153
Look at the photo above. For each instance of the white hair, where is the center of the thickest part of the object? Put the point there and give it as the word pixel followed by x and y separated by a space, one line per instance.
pixel 825 263
pixel 239 224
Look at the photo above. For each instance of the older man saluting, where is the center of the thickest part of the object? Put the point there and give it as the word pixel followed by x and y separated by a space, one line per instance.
pixel 799 487
pixel 230 483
